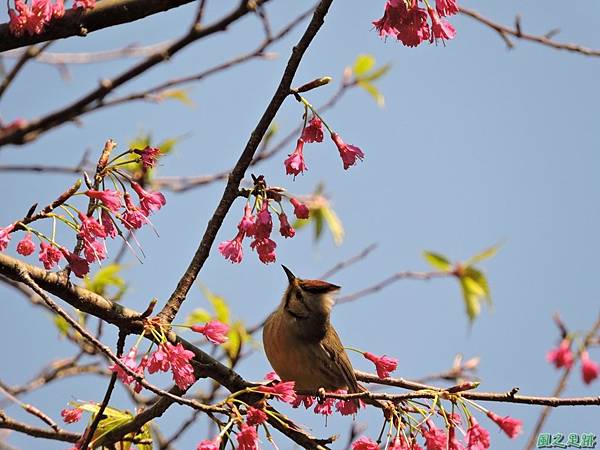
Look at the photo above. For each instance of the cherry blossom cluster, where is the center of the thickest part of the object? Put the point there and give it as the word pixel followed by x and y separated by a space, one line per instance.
pixel 312 131
pixel 562 356
pixel 433 438
pixel 167 356
pixel 107 208
pixel 408 21
pixel 257 224
pixel 34 17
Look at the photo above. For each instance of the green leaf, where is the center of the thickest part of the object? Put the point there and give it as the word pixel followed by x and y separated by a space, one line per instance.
pixel 180 95
pixel 437 261
pixel 237 336
pixel 62 325
pixel 198 315
pixel 472 304
pixel 363 64
pixel 335 225
pixel 317 218
pixel 219 304
pixel 167 145
pixel 373 91
pixel 480 279
pixel 106 277
pixel 486 254
pixel 376 74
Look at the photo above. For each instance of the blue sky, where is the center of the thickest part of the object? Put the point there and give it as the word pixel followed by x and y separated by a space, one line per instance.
pixel 476 144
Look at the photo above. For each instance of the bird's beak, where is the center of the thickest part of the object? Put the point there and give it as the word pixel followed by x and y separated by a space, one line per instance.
pixel 290 275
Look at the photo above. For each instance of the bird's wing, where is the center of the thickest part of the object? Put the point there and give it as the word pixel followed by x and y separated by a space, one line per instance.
pixel 333 347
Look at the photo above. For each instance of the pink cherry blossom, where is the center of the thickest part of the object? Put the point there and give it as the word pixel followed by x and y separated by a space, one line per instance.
pixel 294 164
pixel 149 201
pixel 128 361
pixel 415 28
pixel 589 369
pixel 272 376
pixel 348 407
pixel 5 236
pixel 71 415
pixel 90 228
pixel 435 438
pixel 453 442
pixel 18 18
pixel 314 131
pixel 364 443
pixel 305 400
pixel 215 331
pixel 562 355
pixel 264 222
pixel 247 223
pixel 512 427
pixel 78 265
pixel 283 391
pixel 383 364
pixel 265 249
pixel 399 444
pixel 324 407
pixel 107 224
pixel 111 199
pixel 478 438
pixel 159 361
pixel 255 416
pixel 41 13
pixel 233 249
pixel 209 444
pixel 440 27
pixel 247 438
pixel 301 211
pixel 94 250
pixel 134 218
pixel 349 153
pixel 181 369
pixel 148 156
pixel 26 246
pixel 285 229
pixel 446 7
pixel 58 9
pixel 49 255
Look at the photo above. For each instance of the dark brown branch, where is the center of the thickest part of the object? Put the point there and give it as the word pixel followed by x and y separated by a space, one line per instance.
pixel 237 174
pixel 34 128
pixel 505 397
pixel 517 33
pixel 106 13
pixel 60 435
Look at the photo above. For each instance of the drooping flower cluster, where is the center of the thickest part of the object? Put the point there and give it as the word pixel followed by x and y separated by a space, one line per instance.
pixel 409 22
pixel 562 356
pixel 71 415
pixel 93 228
pixel 434 438
pixel 257 224
pixel 313 132
pixel 34 17
pixel 383 364
pixel 167 356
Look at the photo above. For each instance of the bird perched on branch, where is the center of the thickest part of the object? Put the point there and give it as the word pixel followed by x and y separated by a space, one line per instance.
pixel 300 342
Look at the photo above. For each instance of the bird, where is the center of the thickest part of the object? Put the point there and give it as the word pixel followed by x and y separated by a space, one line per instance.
pixel 300 342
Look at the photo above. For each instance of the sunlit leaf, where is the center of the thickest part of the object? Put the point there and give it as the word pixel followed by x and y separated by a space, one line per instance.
pixel 437 261
pixel 480 279
pixel 373 91
pixel 376 74
pixel 167 145
pixel 106 277
pixel 486 254
pixel 219 304
pixel 363 64
pixel 472 304
pixel 61 324
pixel 317 218
pixel 198 315
pixel 237 336
pixel 334 224
pixel 180 95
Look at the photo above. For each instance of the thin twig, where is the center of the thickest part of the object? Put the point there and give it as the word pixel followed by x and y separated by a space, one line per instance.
pixel 516 32
pixel 31 53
